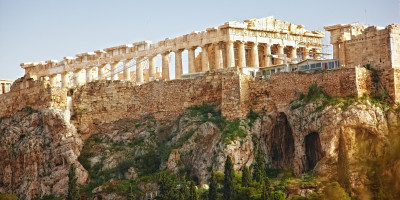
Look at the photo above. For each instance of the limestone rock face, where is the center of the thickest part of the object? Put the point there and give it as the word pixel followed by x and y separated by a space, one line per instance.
pixel 36 150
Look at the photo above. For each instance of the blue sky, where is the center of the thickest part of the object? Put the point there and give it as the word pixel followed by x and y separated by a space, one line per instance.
pixel 37 30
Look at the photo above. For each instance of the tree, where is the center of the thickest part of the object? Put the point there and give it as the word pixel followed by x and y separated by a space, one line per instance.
pixel 334 191
pixel 343 164
pixel 131 195
pixel 266 191
pixel 246 178
pixel 212 192
pixel 184 190
pixel 193 193
pixel 167 187
pixel 259 166
pixel 73 191
pixel 228 179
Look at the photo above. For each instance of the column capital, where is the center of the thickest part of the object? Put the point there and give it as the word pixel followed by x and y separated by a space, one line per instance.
pixel 178 50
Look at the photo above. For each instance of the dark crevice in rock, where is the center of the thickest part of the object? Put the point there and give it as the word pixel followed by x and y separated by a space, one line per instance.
pixel 281 142
pixel 314 151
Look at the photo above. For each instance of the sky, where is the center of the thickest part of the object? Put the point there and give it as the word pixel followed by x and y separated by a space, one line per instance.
pixel 40 30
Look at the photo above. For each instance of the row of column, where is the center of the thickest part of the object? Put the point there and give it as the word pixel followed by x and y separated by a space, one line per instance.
pixel 254 61
pixel 4 87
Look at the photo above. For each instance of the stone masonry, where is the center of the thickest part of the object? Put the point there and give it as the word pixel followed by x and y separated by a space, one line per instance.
pixel 379 47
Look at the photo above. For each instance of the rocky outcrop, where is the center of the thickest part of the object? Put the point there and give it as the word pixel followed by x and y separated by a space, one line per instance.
pixel 36 150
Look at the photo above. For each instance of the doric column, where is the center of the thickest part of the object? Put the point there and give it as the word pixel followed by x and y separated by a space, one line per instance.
pixel 64 80
pixel 306 53
pixel 218 56
pixel 139 71
pixel 317 53
pixel 127 71
pixel 152 68
pixel 1 88
pixel 6 87
pixel 293 54
pixel 89 75
pixel 113 71
pixel 241 54
pixel 280 53
pixel 53 80
pixel 267 55
pixel 178 64
pixel 100 72
pixel 204 58
pixel 165 65
pixel 76 77
pixel 230 55
pixel 191 59
pixel 254 55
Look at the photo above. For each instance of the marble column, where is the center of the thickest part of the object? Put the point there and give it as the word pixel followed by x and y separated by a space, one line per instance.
pixel 89 74
pixel 254 55
pixel 280 53
pixel 165 65
pixel 241 54
pixel 100 72
pixel 293 54
pixel 204 58
pixel 152 68
pixel 113 71
pixel 127 71
pixel 77 77
pixel 139 71
pixel 191 59
pixel 6 87
pixel 267 55
pixel 218 56
pixel 53 80
pixel 64 80
pixel 178 64
pixel 317 53
pixel 1 88
pixel 306 54
pixel 230 55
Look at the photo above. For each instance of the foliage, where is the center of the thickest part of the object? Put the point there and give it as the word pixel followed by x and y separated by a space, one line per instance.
pixel 266 191
pixel 333 191
pixel 246 177
pixel 343 165
pixel 252 116
pixel 229 189
pixel 212 192
pixel 259 165
pixel 148 163
pixel 184 192
pixel 167 187
pixel 7 196
pixel 232 131
pixel 73 191
pixel 193 193
pixel 204 110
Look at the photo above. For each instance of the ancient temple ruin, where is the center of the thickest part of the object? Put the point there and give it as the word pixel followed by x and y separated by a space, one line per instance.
pixel 5 86
pixel 252 43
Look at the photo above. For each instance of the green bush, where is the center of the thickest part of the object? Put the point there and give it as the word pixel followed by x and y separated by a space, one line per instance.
pixel 232 131
pixel 252 116
pixel 7 196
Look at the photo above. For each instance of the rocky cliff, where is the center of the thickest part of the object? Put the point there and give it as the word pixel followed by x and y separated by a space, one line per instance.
pixel 314 134
pixel 36 149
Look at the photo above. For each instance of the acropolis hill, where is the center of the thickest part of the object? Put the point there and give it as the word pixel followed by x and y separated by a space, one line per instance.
pixel 263 66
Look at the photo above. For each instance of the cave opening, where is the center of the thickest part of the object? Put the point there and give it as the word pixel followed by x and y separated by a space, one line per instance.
pixel 281 142
pixel 313 149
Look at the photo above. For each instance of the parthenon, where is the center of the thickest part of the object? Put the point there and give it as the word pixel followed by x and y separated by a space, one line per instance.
pixel 252 43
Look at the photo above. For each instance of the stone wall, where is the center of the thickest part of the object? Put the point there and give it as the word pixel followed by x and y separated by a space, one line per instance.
pixel 106 101
pixel 232 91
pixel 284 87
pixel 36 94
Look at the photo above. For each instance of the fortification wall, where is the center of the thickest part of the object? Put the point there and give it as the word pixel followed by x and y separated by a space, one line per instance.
pixel 283 87
pixel 106 101
pixel 36 94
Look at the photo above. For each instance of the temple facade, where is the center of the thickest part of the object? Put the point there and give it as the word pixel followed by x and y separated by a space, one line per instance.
pixel 252 43
pixel 5 86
